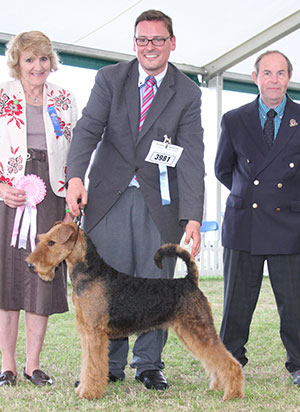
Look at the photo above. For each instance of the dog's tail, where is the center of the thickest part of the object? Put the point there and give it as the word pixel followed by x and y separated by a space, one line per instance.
pixel 172 250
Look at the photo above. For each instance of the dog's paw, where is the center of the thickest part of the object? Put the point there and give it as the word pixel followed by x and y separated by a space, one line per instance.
pixel 215 383
pixel 87 393
pixel 215 386
pixel 233 394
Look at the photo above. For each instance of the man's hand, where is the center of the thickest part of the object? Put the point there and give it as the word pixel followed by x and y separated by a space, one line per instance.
pixel 68 217
pixel 76 197
pixel 192 231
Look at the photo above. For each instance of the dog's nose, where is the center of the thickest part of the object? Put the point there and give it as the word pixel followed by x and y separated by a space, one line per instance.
pixel 31 267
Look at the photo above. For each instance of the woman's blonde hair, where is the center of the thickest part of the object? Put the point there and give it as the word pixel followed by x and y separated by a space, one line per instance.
pixel 35 42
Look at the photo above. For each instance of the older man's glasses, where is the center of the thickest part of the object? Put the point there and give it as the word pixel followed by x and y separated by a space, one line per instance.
pixel 156 41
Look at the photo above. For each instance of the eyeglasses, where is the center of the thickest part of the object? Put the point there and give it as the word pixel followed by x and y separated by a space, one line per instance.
pixel 157 41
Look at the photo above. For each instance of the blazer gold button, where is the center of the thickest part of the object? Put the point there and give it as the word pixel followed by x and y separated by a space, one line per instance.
pixel 277 209
pixel 256 182
pixel 255 205
pixel 248 161
pixel 292 165
pixel 279 185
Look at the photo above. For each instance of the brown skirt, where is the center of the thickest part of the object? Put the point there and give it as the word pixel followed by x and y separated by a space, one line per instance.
pixel 20 288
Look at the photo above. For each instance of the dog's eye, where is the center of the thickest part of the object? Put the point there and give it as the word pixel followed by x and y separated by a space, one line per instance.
pixel 51 243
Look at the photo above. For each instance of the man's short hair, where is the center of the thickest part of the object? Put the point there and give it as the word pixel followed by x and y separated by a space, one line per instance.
pixel 155 15
pixel 289 64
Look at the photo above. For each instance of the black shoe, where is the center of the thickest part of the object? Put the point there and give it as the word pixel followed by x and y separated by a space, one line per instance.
pixel 111 378
pixel 114 378
pixel 296 377
pixel 7 378
pixel 153 379
pixel 38 378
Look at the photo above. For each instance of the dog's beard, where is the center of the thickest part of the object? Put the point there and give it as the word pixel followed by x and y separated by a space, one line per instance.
pixel 47 276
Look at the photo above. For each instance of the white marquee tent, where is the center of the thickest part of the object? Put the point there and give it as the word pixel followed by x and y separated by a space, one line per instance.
pixel 217 43
pixel 212 37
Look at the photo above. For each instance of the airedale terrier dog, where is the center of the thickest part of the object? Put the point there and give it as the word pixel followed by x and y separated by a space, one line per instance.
pixel 110 304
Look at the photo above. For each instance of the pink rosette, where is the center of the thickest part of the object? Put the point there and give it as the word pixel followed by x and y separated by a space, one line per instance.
pixel 35 189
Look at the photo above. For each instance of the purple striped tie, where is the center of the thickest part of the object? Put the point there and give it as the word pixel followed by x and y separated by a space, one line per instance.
pixel 147 100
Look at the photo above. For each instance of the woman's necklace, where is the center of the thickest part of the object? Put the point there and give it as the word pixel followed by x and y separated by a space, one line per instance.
pixel 35 99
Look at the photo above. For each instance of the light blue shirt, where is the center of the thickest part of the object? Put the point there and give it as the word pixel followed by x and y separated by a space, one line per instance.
pixel 143 76
pixel 263 110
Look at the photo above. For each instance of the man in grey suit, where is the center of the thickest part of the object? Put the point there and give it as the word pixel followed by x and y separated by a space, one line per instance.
pixel 134 205
pixel 262 219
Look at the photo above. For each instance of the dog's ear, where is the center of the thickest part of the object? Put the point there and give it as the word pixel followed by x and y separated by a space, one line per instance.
pixel 58 222
pixel 63 233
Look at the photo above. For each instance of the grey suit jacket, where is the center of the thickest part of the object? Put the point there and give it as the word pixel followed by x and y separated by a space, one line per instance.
pixel 109 124
pixel 263 209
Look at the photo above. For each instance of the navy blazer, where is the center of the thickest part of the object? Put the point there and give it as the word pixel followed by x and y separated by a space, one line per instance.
pixel 262 213
pixel 110 123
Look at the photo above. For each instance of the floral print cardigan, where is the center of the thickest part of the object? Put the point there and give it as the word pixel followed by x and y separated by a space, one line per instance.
pixel 13 132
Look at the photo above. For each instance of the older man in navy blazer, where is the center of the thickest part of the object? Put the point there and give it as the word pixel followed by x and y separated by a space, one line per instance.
pixel 133 205
pixel 262 217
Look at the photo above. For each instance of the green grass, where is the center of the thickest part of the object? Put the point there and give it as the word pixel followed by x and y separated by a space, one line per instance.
pixel 268 386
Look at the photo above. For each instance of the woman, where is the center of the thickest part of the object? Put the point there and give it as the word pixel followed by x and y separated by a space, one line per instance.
pixel 36 122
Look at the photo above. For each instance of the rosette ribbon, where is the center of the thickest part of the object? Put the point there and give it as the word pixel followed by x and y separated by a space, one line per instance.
pixel 35 189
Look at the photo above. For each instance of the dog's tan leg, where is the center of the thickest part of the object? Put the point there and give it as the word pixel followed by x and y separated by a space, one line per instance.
pixel 202 340
pixel 94 364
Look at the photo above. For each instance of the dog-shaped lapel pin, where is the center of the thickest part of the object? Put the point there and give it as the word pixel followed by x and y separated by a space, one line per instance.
pixel 293 123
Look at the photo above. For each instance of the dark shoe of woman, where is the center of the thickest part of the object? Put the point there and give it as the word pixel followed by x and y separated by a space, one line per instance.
pixel 38 378
pixel 7 378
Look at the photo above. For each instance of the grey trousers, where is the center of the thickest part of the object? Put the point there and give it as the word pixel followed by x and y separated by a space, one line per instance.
pixel 243 275
pixel 127 239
